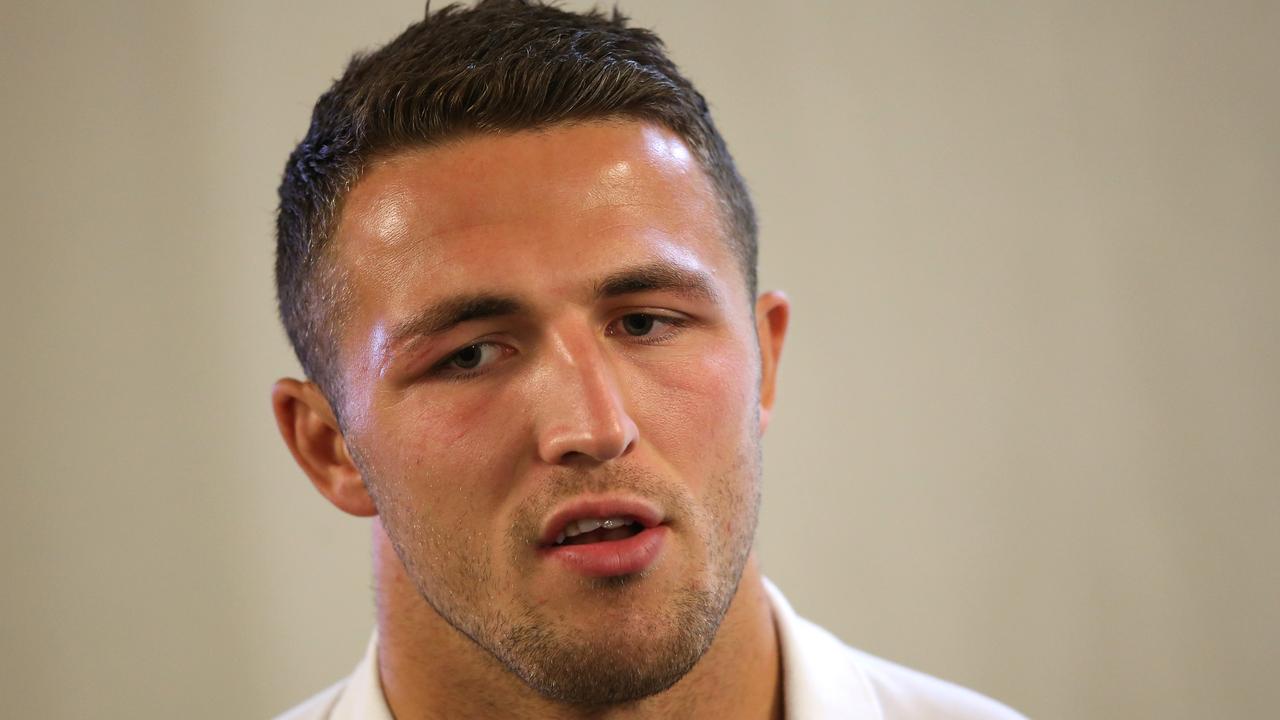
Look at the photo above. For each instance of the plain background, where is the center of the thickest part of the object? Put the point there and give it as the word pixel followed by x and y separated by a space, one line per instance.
pixel 1029 425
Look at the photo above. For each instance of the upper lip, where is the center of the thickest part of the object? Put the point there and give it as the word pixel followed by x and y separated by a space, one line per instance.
pixel 631 508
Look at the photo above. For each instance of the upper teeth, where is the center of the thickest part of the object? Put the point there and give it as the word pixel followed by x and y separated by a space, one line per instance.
pixel 586 525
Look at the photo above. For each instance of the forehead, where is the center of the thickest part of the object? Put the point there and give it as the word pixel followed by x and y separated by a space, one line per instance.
pixel 533 211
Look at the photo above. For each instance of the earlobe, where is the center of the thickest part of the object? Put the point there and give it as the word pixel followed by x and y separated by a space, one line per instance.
pixel 773 312
pixel 310 429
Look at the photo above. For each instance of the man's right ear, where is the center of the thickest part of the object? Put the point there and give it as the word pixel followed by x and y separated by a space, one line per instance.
pixel 310 429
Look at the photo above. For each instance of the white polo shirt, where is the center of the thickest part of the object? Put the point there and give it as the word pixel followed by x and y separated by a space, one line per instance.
pixel 823 679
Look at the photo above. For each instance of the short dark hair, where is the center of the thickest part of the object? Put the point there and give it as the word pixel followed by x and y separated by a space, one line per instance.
pixel 500 66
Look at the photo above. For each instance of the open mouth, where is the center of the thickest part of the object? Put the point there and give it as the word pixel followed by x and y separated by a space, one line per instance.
pixel 605 536
pixel 595 530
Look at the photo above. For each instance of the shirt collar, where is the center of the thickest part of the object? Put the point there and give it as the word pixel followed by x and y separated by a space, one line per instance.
pixel 819 681
pixel 362 698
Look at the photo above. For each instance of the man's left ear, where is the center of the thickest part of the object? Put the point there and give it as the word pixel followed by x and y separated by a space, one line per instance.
pixel 773 311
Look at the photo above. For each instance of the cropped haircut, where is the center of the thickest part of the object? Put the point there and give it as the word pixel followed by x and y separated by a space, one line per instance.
pixel 500 66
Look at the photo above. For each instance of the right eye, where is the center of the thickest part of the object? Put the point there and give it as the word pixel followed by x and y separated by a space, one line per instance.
pixel 470 360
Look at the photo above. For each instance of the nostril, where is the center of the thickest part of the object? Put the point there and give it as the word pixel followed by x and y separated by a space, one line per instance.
pixel 576 448
pixel 586 414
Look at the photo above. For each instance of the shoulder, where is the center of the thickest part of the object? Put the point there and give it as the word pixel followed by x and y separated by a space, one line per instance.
pixel 825 678
pixel 906 694
pixel 318 707
pixel 358 697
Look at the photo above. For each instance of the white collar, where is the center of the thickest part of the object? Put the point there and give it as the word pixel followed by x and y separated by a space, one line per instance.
pixel 362 698
pixel 819 681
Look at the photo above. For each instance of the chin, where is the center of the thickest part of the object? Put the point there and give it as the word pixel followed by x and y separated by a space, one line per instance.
pixel 610 662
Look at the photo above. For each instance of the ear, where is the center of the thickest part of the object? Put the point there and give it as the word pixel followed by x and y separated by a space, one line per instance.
pixel 773 311
pixel 310 429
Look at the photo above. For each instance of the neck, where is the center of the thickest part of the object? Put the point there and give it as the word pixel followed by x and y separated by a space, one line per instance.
pixel 430 670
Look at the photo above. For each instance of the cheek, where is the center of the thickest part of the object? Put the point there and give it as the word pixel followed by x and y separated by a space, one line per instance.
pixel 451 454
pixel 700 409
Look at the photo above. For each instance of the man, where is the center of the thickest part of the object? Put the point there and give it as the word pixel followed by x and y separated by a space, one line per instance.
pixel 518 266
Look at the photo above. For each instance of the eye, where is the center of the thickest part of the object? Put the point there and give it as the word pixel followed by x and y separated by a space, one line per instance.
pixel 646 327
pixel 638 325
pixel 469 359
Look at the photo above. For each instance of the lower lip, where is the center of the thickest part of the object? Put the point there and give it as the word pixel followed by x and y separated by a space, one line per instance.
pixel 614 557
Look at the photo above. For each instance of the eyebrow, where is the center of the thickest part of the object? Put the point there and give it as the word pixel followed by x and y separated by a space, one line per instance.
pixel 451 312
pixel 657 277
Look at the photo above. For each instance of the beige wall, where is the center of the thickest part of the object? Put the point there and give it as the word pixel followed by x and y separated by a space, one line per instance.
pixel 1029 435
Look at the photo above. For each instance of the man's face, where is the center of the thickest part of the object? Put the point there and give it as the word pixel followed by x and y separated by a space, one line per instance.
pixel 548 330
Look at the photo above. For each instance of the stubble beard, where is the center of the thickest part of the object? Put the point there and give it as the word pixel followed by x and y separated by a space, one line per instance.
pixel 601 669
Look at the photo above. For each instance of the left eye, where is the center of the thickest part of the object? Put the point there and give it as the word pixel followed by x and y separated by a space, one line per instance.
pixel 638 325
pixel 644 325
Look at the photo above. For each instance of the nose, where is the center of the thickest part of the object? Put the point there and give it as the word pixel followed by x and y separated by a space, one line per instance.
pixel 583 414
